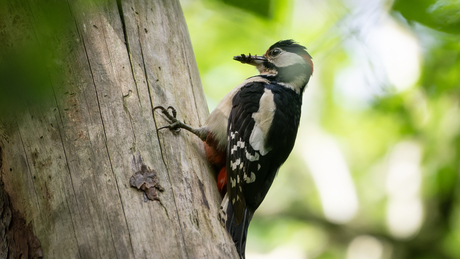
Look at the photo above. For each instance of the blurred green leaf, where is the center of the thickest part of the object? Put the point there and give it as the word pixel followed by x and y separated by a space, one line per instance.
pixel 24 79
pixel 31 39
pixel 443 65
pixel 260 8
pixel 442 15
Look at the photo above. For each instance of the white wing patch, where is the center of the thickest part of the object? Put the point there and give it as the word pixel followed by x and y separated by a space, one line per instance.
pixel 235 164
pixel 263 120
pixel 249 179
pixel 223 211
pixel 218 119
pixel 233 182
pixel 252 158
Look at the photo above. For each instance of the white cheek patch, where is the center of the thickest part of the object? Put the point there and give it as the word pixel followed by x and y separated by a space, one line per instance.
pixel 287 58
pixel 263 120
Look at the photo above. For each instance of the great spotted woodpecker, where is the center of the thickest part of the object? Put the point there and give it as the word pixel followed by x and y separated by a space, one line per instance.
pixel 252 132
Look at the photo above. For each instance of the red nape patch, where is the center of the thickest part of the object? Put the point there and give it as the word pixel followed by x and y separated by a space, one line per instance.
pixel 309 61
pixel 222 181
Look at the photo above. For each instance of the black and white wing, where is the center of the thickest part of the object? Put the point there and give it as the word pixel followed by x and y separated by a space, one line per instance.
pixel 249 158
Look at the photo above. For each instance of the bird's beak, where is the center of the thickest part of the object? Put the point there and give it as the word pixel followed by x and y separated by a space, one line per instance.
pixel 259 58
pixel 249 59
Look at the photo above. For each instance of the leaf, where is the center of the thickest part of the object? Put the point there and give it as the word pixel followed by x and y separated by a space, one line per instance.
pixel 260 8
pixel 441 15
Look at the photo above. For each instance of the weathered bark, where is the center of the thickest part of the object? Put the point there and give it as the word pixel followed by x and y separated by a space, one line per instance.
pixel 65 165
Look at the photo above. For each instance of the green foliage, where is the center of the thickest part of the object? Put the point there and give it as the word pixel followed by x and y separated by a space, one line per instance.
pixel 24 78
pixel 31 39
pixel 261 8
pixel 442 15
pixel 35 39
pixel 400 142
pixel 354 104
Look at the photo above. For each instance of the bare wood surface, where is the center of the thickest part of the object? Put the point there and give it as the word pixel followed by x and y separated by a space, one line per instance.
pixel 66 165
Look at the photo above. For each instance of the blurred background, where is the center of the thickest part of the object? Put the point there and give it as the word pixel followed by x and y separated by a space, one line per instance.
pixel 375 170
pixel 374 173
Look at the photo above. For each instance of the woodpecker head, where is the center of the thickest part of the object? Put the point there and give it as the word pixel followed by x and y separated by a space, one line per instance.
pixel 286 62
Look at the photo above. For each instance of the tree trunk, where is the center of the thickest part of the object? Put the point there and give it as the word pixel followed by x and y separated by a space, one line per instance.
pixel 66 163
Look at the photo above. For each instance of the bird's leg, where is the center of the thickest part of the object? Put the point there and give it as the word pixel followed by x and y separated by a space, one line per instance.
pixel 177 125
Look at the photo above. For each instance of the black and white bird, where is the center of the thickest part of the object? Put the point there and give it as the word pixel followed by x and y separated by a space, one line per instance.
pixel 252 131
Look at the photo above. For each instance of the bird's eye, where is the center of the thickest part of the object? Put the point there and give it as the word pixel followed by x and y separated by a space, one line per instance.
pixel 276 52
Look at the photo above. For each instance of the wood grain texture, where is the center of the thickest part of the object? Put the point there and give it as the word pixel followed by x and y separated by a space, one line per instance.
pixel 66 164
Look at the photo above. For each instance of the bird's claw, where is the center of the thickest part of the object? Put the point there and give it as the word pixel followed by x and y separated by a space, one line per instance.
pixel 175 124
pixel 166 112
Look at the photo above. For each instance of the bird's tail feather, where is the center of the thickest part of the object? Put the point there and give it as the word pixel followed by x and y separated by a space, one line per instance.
pixel 237 232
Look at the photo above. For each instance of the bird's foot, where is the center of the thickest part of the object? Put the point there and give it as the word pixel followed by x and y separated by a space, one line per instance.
pixel 175 125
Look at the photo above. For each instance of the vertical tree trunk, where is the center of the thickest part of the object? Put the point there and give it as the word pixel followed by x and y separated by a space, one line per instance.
pixel 66 164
